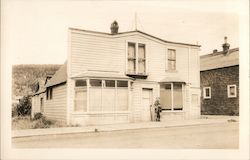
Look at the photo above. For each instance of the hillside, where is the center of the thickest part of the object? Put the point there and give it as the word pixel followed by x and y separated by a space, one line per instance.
pixel 24 76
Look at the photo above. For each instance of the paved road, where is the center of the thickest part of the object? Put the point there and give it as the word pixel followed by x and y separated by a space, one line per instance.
pixel 213 136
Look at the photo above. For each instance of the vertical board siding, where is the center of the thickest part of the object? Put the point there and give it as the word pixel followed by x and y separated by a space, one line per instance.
pixel 55 108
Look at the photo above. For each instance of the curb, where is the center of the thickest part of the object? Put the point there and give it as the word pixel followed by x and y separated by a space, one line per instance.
pixel 93 130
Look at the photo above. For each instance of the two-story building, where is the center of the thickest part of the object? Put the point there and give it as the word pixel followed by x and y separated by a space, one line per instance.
pixel 116 78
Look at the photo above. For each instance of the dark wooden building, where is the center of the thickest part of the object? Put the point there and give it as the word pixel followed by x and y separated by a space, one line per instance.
pixel 220 82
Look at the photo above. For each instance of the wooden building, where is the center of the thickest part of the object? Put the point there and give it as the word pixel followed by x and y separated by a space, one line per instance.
pixel 116 77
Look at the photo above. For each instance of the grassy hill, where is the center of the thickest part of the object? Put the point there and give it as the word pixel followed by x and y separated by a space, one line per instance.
pixel 23 76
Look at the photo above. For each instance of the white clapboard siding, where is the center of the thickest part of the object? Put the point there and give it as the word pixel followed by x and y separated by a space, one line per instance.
pixel 55 108
pixel 92 52
pixel 194 68
pixel 101 52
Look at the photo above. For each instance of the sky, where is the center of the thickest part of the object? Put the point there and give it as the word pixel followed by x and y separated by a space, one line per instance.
pixel 36 31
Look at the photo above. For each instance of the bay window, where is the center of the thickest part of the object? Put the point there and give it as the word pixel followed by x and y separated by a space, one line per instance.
pixel 103 95
pixel 80 96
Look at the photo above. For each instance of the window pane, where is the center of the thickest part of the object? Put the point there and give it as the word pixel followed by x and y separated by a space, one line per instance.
pixel 131 50
pixel 207 92
pixel 80 83
pixel 131 66
pixel 108 96
pixel 232 90
pixel 171 65
pixel 96 82
pixel 110 83
pixel 122 99
pixel 165 97
pixel 178 101
pixel 81 100
pixel 141 67
pixel 122 83
pixel 95 99
pixel 171 54
pixel 141 51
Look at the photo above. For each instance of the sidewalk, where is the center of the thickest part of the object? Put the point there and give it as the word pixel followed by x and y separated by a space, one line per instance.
pixel 128 126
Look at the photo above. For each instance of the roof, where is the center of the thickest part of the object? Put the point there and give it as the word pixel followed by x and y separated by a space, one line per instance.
pixel 219 60
pixel 59 77
pixel 135 31
pixel 101 74
pixel 172 79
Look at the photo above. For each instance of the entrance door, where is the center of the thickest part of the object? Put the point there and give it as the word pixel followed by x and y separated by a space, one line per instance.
pixel 147 101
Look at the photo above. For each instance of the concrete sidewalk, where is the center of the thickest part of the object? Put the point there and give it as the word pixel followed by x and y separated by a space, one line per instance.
pixel 128 126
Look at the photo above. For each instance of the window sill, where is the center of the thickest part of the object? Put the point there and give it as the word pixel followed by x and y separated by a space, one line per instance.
pixel 232 97
pixel 171 71
pixel 173 111
pixel 207 98
pixel 137 76
pixel 92 113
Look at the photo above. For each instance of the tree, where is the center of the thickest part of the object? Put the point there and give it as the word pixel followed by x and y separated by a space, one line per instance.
pixel 24 106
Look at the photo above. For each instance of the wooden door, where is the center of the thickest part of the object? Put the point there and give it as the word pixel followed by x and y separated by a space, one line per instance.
pixel 147 101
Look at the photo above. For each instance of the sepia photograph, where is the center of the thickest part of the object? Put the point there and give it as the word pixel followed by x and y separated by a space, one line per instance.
pixel 125 79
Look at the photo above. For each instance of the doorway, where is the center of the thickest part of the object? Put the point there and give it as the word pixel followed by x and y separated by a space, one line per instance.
pixel 147 102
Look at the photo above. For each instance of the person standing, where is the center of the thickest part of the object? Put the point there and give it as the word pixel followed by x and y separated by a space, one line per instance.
pixel 158 110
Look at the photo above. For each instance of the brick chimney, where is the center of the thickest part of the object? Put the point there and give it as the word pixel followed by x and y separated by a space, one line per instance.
pixel 114 27
pixel 225 46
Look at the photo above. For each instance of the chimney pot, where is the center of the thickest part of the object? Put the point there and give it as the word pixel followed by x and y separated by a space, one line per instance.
pixel 215 51
pixel 225 46
pixel 114 27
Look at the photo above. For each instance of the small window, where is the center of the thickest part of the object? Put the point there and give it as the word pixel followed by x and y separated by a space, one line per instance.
pixel 80 83
pixel 171 59
pixel 122 83
pixel 231 91
pixel 109 83
pixel 207 92
pixel 96 82
pixel 49 93
pixel 41 104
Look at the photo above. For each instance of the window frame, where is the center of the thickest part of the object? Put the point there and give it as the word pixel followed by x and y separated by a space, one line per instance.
pixel 204 93
pixel 228 91
pixel 102 87
pixel 170 59
pixel 136 59
pixel 49 93
pixel 172 97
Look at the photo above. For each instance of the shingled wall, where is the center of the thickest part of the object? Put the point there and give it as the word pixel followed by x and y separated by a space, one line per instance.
pixel 218 79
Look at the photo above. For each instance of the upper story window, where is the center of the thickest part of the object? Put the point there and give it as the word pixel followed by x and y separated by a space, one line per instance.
pixel 131 58
pixel 49 93
pixel 141 59
pixel 136 58
pixel 171 60
pixel 207 92
pixel 231 91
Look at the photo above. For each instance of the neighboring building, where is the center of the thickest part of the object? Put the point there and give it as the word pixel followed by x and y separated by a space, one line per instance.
pixel 220 82
pixel 116 77
pixel 38 98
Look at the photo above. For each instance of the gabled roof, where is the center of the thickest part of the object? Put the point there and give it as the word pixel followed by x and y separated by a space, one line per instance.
pixel 135 31
pixel 219 60
pixel 59 77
